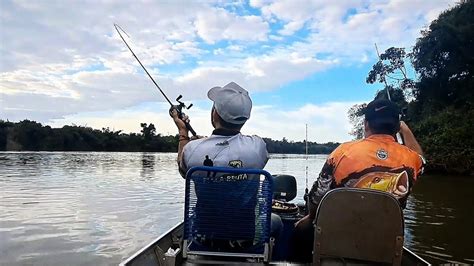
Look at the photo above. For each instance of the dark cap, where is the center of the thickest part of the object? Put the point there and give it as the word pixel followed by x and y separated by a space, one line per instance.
pixel 382 111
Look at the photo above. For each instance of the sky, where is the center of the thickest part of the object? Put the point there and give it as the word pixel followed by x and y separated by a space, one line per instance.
pixel 303 62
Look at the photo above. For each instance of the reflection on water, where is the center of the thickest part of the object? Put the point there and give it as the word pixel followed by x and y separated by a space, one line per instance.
pixel 84 208
pixel 148 165
pixel 439 219
pixel 98 208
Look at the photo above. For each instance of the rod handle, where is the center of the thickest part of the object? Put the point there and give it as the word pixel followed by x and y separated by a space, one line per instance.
pixel 181 115
pixel 190 128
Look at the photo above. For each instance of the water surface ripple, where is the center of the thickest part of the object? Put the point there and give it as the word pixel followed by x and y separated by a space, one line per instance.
pixel 83 208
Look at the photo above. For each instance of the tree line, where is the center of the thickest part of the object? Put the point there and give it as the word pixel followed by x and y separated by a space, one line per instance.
pixel 439 103
pixel 29 135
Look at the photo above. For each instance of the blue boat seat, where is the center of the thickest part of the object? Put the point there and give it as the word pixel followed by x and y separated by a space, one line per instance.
pixel 360 225
pixel 227 212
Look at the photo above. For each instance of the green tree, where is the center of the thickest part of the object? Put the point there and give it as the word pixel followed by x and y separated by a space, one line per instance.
pixel 356 118
pixel 389 70
pixel 442 112
pixel 444 60
pixel 148 131
pixel 29 135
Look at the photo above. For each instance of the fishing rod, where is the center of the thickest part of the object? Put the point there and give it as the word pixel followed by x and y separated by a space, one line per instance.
pixel 178 107
pixel 306 191
pixel 398 135
pixel 384 80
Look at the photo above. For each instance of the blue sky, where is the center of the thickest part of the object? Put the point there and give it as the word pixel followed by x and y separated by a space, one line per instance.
pixel 303 61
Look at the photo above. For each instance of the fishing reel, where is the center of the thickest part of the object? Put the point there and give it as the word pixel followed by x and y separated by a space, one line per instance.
pixel 179 107
pixel 181 104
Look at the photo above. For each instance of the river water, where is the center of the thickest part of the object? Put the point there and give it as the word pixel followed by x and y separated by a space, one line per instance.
pixel 98 208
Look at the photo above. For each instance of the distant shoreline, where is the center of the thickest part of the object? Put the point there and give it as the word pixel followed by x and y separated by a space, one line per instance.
pixel 45 151
pixel 428 172
pixel 29 135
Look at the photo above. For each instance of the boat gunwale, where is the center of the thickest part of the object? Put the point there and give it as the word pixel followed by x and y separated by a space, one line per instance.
pixel 405 249
pixel 151 244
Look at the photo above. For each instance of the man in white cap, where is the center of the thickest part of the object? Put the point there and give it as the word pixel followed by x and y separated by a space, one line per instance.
pixel 226 146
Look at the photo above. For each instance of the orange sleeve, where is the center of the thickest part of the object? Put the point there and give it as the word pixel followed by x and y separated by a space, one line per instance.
pixel 420 164
pixel 326 181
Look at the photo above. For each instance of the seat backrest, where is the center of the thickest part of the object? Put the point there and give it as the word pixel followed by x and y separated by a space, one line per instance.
pixel 284 187
pixel 227 211
pixel 359 224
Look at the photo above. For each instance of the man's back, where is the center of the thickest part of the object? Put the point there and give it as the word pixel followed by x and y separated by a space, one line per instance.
pixel 376 162
pixel 226 147
pixel 237 151
pixel 377 153
pixel 226 150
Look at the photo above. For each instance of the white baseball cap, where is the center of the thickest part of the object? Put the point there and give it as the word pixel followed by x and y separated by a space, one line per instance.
pixel 231 102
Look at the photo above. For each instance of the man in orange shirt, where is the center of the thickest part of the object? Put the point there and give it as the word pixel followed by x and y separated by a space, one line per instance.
pixel 378 162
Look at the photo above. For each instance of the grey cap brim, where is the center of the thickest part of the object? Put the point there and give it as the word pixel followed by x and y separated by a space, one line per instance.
pixel 211 94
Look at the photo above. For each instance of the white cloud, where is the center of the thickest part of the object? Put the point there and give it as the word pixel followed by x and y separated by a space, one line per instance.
pixel 334 30
pixel 326 122
pixel 291 27
pixel 129 120
pixel 62 59
pixel 219 24
pixel 89 91
pixel 255 74
pixel 289 10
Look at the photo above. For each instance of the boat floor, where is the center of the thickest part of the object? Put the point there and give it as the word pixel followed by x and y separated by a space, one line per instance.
pixel 220 262
pixel 327 261
pixel 154 254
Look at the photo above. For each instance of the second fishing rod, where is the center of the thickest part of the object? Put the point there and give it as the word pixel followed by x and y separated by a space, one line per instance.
pixel 178 107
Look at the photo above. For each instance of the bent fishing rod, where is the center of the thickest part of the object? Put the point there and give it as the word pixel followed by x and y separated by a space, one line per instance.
pixel 178 107
pixel 398 135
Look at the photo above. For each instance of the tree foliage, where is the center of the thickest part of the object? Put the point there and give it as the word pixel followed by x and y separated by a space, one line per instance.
pixel 444 59
pixel 441 106
pixel 356 118
pixel 299 147
pixel 446 138
pixel 389 70
pixel 28 135
pixel 442 113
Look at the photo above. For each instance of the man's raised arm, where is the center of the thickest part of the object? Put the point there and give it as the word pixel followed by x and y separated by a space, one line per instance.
pixel 409 138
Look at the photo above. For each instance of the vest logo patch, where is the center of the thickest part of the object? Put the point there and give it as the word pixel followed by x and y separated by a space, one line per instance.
pixel 236 163
pixel 382 154
pixel 224 143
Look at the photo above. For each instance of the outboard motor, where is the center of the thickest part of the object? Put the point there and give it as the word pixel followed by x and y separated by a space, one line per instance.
pixel 284 190
pixel 284 187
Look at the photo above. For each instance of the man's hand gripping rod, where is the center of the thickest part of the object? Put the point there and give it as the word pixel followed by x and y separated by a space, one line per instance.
pixel 179 107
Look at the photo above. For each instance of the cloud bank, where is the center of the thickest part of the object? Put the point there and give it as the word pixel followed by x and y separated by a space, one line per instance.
pixel 63 59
